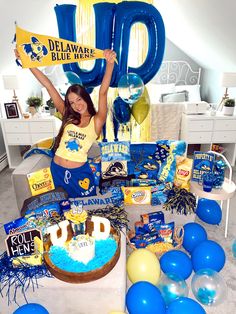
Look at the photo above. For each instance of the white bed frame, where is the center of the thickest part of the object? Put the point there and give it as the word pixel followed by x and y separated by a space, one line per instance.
pixel 177 72
pixel 166 117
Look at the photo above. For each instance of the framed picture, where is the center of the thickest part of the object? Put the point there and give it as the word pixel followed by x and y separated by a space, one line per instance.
pixel 11 110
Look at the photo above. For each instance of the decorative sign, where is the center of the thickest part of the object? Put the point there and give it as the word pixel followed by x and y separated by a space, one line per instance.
pixel 22 243
pixel 202 163
pixel 39 50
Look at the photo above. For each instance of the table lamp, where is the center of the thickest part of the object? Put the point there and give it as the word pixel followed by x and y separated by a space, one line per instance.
pixel 228 80
pixel 10 82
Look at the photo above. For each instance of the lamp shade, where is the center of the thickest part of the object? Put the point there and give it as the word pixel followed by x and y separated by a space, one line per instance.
pixel 10 82
pixel 228 79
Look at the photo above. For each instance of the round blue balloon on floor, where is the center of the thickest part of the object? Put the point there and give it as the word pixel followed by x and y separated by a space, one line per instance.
pixel 176 262
pixel 208 254
pixel 209 211
pixel 145 298
pixel 31 308
pixel 185 305
pixel 194 234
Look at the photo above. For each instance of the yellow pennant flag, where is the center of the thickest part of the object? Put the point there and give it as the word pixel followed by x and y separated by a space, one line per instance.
pixel 40 50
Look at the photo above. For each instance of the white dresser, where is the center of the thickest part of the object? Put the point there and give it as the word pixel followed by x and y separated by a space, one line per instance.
pixel 207 129
pixel 18 133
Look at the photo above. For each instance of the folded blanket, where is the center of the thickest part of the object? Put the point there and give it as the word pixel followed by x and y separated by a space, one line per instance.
pixel 166 121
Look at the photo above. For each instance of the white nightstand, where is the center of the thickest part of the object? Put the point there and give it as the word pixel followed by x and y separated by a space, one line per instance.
pixel 21 132
pixel 207 129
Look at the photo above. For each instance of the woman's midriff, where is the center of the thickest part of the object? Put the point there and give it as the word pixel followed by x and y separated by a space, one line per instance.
pixel 67 163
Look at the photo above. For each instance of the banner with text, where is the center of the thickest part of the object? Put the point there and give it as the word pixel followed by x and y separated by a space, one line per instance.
pixel 40 50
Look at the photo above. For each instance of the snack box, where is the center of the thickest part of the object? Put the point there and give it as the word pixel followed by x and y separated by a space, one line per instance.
pixel 153 216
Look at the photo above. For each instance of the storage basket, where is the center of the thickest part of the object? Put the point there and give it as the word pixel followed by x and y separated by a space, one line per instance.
pixel 160 248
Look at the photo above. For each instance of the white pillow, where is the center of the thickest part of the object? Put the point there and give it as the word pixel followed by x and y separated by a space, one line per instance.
pixel 193 91
pixel 175 97
pixel 156 90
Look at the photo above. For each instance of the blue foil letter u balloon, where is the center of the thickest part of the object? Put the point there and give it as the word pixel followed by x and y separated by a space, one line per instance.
pixel 113 23
pixel 67 30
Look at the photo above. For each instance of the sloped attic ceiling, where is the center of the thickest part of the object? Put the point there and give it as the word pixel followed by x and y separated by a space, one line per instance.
pixel 204 29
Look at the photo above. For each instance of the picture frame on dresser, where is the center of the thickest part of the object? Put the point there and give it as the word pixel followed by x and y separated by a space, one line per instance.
pixel 11 110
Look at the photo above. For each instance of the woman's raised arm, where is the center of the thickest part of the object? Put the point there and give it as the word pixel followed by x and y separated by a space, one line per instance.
pixel 101 115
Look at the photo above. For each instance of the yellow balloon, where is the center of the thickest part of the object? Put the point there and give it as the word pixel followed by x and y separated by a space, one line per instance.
pixel 141 107
pixel 143 265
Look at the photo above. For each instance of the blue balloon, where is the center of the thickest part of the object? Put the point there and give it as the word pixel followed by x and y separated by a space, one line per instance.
pixel 208 254
pixel 104 132
pixel 31 308
pixel 144 298
pixel 185 305
pixel 122 110
pixel 209 211
pixel 176 262
pixel 73 78
pixel 172 287
pixel 130 87
pixel 234 248
pixel 193 235
pixel 116 126
pixel 89 90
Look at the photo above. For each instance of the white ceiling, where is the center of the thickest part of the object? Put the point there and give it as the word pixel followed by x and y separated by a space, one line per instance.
pixel 203 29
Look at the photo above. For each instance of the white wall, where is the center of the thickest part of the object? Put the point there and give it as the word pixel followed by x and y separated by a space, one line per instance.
pixel 205 31
pixel 32 15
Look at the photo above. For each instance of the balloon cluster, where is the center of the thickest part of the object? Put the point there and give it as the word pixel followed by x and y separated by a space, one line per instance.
pixel 208 258
pixel 133 99
pixel 160 287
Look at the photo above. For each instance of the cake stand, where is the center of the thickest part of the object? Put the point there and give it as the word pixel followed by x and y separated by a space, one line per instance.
pixel 83 277
pixel 224 194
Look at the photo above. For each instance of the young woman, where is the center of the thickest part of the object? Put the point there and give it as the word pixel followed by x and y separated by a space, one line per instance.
pixel 81 126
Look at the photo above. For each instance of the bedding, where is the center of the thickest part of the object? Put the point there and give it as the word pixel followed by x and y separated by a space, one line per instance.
pixel 193 91
pixel 171 89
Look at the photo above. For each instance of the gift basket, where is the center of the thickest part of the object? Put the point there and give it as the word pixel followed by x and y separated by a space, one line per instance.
pixel 155 243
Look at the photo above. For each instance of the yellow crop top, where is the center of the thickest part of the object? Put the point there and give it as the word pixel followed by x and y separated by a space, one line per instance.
pixel 76 141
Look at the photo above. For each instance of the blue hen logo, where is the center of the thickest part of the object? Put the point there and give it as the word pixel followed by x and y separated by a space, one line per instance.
pixel 203 165
pixel 35 50
pixel 73 145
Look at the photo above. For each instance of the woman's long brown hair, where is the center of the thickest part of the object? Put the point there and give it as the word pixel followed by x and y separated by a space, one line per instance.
pixel 70 115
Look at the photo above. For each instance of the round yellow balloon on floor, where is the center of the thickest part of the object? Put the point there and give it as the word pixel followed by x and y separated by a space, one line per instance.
pixel 143 265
